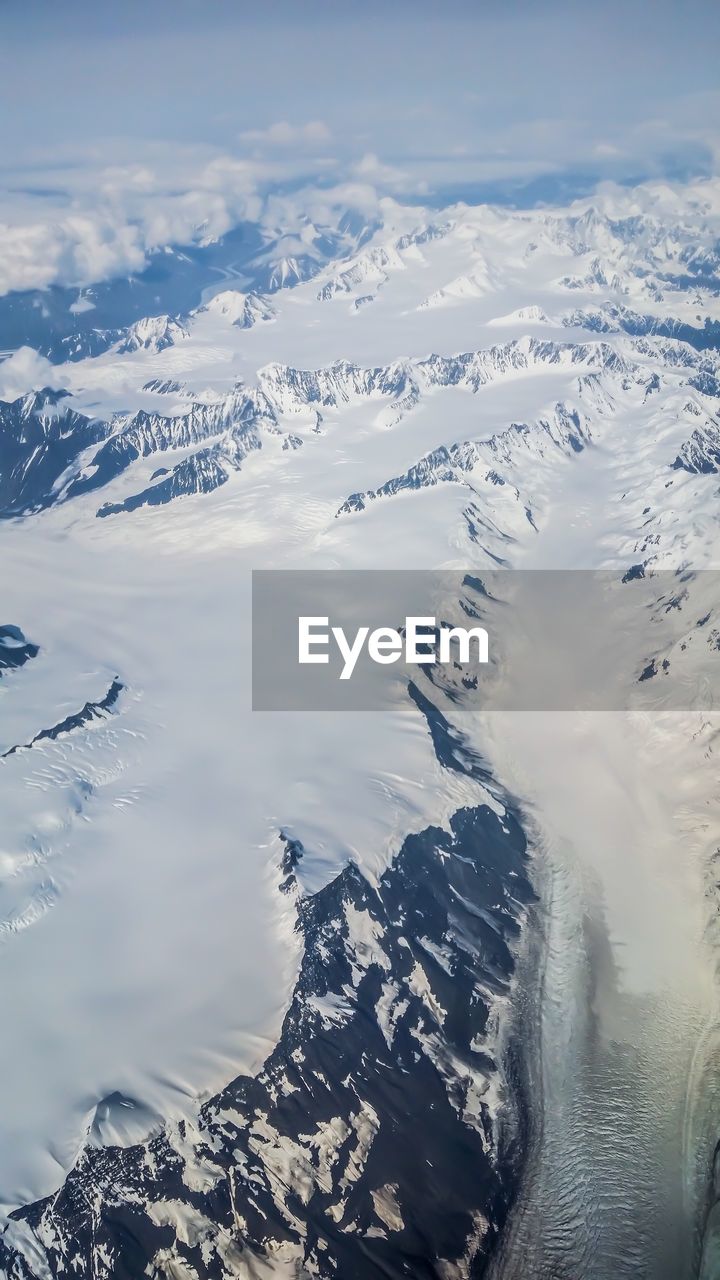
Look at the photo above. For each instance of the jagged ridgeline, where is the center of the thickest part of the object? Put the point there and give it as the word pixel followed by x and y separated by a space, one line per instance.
pixel 54 454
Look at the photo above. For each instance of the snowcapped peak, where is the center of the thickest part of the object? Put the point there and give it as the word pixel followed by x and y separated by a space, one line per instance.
pixel 523 315
pixel 44 398
pixel 153 333
pixel 369 268
pixel 589 219
pixel 287 271
pixel 241 309
pixel 473 284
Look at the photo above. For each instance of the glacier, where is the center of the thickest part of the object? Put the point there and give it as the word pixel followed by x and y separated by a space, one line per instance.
pixel 228 936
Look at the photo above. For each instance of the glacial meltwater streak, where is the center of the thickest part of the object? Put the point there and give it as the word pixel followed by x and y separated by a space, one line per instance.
pixel 619 1007
pixel 620 1001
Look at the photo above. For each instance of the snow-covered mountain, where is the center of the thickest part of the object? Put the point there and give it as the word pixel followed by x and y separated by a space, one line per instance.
pixel 361 995
pixel 152 333
pixel 241 309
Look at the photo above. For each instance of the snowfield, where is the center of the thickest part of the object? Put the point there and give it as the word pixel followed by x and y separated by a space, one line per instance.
pixel 470 389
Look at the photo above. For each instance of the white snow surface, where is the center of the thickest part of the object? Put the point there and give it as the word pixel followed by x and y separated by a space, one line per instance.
pixel 144 945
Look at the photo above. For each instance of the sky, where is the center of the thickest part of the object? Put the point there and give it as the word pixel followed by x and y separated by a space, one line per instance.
pixel 126 124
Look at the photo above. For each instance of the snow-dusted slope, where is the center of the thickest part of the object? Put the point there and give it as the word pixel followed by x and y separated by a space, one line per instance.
pixel 555 406
pixel 240 309
pixel 154 333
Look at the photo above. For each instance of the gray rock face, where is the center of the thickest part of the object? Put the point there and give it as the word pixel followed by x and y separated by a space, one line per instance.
pixel 382 1136
pixel 15 650
pixel 701 451
pixel 40 438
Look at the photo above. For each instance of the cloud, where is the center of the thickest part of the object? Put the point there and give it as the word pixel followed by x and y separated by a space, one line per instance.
pixel 76 249
pixel 85 222
pixel 388 178
pixel 81 213
pixel 282 134
pixel 109 223
pixel 24 370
